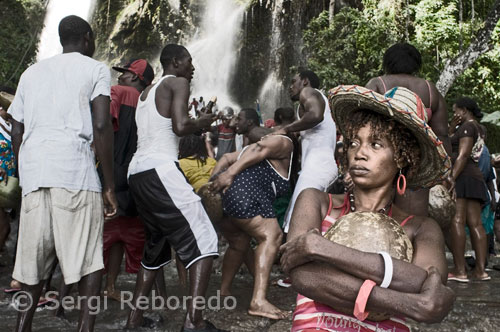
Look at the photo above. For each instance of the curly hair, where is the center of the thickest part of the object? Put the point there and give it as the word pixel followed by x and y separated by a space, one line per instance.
pixel 193 146
pixel 404 143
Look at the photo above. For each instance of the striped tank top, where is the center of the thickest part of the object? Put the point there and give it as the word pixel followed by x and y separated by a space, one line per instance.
pixel 312 316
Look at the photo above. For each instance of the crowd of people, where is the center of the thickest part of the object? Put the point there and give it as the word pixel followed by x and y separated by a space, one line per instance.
pixel 112 171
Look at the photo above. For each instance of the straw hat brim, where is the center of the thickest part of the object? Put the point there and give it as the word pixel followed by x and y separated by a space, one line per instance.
pixel 6 99
pixel 435 164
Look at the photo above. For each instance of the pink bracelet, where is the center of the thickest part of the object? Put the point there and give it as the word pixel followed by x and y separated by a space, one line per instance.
pixel 362 298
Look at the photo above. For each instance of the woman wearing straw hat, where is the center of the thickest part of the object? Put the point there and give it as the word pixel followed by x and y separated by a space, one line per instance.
pixel 387 147
pixel 401 63
pixel 467 143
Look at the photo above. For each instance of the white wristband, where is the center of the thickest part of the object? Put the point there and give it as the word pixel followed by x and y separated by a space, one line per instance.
pixel 388 269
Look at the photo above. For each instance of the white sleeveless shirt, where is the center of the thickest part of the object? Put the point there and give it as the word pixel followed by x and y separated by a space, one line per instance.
pixel 157 144
pixel 318 146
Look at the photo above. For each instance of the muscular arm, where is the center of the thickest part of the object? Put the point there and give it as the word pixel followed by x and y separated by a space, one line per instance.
pixel 225 161
pixel 343 269
pixel 314 108
pixel 178 89
pixel 274 147
pixel 464 150
pixel 103 139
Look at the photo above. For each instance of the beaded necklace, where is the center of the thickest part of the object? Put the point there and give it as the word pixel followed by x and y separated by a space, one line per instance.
pixel 383 210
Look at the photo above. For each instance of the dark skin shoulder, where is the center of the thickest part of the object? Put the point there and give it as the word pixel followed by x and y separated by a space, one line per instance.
pixel 171 99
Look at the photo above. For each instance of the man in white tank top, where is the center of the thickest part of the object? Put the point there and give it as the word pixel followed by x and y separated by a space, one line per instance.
pixel 318 136
pixel 172 213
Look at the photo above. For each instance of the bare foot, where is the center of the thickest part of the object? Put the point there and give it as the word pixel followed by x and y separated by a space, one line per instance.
pixel 225 292
pixel 15 284
pixel 113 294
pixel 480 275
pixel 266 309
pixel 458 274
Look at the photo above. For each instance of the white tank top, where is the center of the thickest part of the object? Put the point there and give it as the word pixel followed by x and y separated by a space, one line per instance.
pixel 318 145
pixel 157 144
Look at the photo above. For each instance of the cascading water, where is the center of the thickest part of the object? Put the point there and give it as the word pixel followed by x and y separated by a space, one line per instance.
pixel 214 49
pixel 49 44
pixel 273 92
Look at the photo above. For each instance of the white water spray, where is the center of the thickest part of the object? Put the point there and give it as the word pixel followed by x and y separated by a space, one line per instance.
pixel 214 49
pixel 49 44
pixel 273 92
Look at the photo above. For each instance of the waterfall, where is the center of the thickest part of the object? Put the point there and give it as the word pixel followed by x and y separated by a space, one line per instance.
pixel 214 49
pixel 49 44
pixel 273 93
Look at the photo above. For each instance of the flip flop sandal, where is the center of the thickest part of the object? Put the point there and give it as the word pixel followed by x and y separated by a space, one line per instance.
pixel 483 279
pixel 45 301
pixel 11 290
pixel 208 328
pixel 452 277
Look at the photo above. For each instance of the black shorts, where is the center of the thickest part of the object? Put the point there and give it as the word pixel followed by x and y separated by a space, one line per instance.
pixel 471 188
pixel 173 217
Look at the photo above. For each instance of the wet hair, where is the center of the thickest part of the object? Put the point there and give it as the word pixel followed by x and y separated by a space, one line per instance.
pixel 72 29
pixel 470 105
pixel 251 115
pixel 404 143
pixel 193 146
pixel 171 51
pixel 402 58
pixel 311 76
pixel 284 114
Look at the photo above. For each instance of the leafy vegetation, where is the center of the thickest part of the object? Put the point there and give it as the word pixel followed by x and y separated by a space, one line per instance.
pixel 22 21
pixel 350 48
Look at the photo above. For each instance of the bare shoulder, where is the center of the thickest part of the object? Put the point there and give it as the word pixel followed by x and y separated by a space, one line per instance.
pixel 313 196
pixel 418 227
pixel 373 84
pixel 309 92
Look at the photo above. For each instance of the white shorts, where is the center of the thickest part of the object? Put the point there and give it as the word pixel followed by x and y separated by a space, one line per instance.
pixel 62 223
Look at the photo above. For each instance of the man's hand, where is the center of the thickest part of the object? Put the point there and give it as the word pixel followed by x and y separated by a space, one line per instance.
pixel 449 183
pixel 205 120
pixel 455 121
pixel 110 204
pixel 299 251
pixel 222 182
pixel 436 299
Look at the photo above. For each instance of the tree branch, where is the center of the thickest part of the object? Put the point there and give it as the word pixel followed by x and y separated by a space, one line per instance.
pixel 480 45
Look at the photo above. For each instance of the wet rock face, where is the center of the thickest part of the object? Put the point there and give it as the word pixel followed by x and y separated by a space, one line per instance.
pixel 140 28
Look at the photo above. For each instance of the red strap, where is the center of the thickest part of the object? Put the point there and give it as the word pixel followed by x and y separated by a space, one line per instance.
pixel 407 219
pixel 430 94
pixel 362 298
pixel 383 83
pixel 330 204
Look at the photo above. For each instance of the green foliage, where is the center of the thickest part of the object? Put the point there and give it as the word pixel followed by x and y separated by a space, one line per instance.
pixel 21 24
pixel 349 50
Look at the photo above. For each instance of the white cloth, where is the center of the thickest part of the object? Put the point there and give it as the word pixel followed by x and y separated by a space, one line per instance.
pixel 319 169
pixel 157 144
pixel 53 100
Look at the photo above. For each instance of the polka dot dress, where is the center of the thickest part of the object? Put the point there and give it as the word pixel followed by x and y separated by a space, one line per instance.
pixel 253 192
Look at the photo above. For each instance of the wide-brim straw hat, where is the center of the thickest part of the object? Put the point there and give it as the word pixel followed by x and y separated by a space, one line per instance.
pixel 6 99
pixel 405 107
